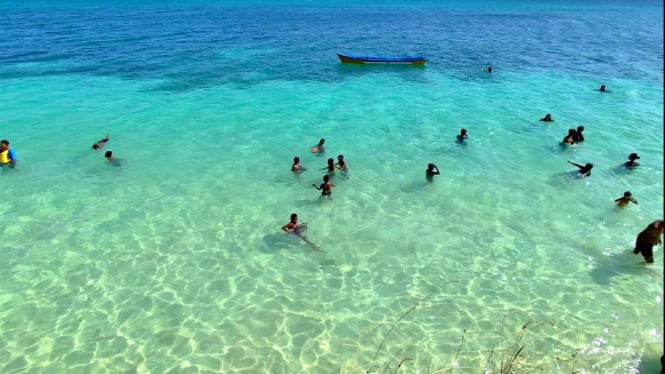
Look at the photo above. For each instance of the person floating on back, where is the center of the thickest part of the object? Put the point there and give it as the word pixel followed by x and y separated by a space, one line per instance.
pixel 296 167
pixel 297 229
pixel 585 170
pixel 325 187
pixel 7 156
pixel 647 239
pixel 111 159
pixel 341 164
pixel 431 171
pixel 101 142
pixel 462 136
pixel 631 163
pixel 578 137
pixel 625 200
pixel 319 148
pixel 547 118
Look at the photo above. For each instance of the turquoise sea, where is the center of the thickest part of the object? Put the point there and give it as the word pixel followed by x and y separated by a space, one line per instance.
pixel 175 261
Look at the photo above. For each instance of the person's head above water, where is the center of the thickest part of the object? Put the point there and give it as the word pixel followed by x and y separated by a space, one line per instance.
pixel 331 162
pixel 462 132
pixel 602 88
pixel 489 69
pixel 633 157
pixel 326 178
pixel 580 128
pixel 296 160
pixel 322 142
pixel 430 166
pixel 294 217
pixel 627 194
pixel 547 118
pixel 588 166
pixel 4 144
pixel 108 154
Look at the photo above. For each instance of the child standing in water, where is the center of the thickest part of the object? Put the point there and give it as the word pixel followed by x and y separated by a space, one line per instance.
pixel 296 167
pixel 325 187
pixel 330 169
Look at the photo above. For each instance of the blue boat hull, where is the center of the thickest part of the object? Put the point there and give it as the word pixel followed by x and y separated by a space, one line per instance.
pixel 355 59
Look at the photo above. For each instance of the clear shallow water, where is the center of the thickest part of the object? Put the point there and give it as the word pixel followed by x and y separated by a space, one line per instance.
pixel 175 260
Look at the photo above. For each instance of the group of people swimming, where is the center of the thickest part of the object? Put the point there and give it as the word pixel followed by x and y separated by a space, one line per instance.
pixel 108 154
pixel 649 236
pixel 645 241
pixel 326 186
pixel 8 157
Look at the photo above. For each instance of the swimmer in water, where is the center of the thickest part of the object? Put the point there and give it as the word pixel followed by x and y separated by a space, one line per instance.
pixel 111 159
pixel 341 164
pixel 296 167
pixel 331 167
pixel 547 118
pixel 462 136
pixel 647 239
pixel 297 229
pixel 631 163
pixel 570 138
pixel 325 187
pixel 585 170
pixel 101 142
pixel 602 88
pixel 431 171
pixel 7 156
pixel 489 69
pixel 319 148
pixel 627 198
pixel 578 137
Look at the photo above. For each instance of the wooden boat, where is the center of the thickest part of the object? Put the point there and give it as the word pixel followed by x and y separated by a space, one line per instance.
pixel 356 59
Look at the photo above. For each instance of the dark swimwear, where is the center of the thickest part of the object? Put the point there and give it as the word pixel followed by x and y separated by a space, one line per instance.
pixel 645 248
pixel 326 190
